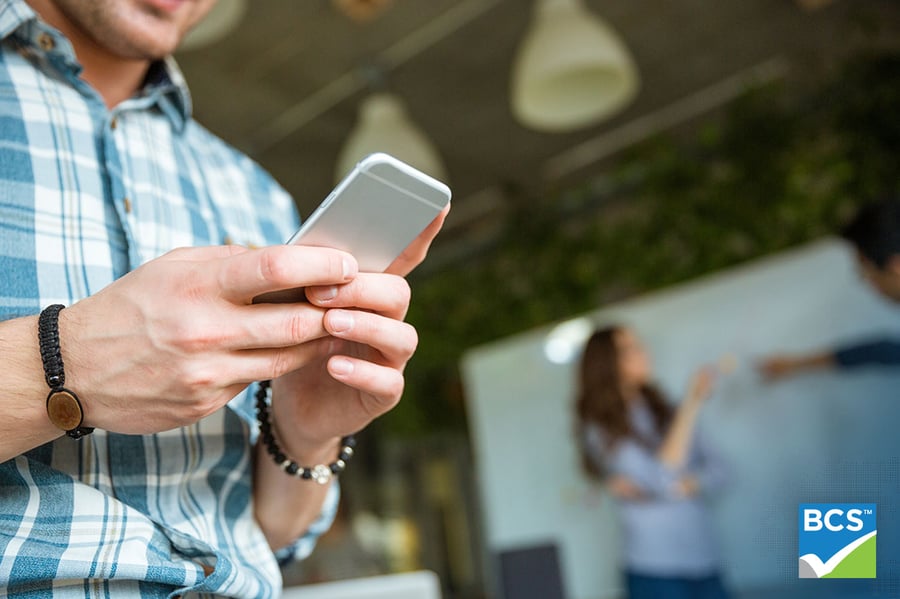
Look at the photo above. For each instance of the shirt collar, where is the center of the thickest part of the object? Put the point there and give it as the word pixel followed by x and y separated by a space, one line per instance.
pixel 164 85
pixel 13 14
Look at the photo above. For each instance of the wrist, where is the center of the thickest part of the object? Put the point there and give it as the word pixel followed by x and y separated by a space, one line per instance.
pixel 299 444
pixel 694 401
pixel 64 408
pixel 23 373
pixel 316 469
pixel 75 378
pixel 322 452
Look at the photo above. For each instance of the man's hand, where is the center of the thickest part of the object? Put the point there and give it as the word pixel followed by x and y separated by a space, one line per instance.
pixel 357 378
pixel 361 375
pixel 415 252
pixel 778 367
pixel 175 339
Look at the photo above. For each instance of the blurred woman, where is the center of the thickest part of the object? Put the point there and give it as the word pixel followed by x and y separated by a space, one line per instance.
pixel 654 464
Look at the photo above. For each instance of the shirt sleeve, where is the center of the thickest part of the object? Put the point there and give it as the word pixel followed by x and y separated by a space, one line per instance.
pixel 885 352
pixel 634 461
pixel 303 546
pixel 708 467
pixel 640 464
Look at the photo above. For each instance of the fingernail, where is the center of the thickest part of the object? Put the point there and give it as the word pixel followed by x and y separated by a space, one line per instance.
pixel 324 294
pixel 340 322
pixel 348 268
pixel 341 366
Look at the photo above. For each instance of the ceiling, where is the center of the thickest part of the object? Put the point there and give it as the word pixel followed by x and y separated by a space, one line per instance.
pixel 286 85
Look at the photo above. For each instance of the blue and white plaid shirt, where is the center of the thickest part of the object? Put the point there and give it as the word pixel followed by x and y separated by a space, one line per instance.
pixel 86 195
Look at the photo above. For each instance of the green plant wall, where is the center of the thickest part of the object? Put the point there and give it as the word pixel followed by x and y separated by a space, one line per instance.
pixel 779 168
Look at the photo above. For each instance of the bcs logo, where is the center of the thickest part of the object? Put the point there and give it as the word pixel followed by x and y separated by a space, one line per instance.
pixel 837 540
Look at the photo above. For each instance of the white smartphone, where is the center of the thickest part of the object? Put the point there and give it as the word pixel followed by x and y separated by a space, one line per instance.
pixel 377 210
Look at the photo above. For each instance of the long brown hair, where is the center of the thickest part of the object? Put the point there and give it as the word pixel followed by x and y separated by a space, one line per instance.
pixel 600 401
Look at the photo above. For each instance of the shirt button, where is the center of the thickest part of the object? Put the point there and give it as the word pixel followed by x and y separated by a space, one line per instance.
pixel 227 240
pixel 46 42
pixel 114 122
pixel 127 203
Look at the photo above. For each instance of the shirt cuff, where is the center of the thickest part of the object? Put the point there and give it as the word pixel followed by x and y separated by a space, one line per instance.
pixel 883 352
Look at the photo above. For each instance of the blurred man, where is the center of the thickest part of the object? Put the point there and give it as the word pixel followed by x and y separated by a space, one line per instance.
pixel 128 458
pixel 875 233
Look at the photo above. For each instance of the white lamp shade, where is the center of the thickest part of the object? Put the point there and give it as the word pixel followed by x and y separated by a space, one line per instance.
pixel 221 20
pixel 384 126
pixel 572 69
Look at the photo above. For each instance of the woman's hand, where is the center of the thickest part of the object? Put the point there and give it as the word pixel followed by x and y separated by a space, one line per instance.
pixel 686 487
pixel 701 385
pixel 624 488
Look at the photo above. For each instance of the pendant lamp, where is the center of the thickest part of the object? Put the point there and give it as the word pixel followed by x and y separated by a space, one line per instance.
pixel 572 69
pixel 384 126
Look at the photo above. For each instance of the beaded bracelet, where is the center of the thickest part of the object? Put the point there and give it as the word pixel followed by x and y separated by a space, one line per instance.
pixel 319 473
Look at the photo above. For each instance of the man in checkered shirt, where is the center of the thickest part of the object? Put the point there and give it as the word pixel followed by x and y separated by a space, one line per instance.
pixel 118 205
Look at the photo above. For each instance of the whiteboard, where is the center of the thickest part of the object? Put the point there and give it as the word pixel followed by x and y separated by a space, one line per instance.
pixel 825 437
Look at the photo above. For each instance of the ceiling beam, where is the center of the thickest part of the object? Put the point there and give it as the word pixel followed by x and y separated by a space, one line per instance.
pixel 351 82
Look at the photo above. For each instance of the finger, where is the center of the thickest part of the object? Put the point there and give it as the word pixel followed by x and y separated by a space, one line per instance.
pixel 395 340
pixel 383 384
pixel 199 254
pixel 251 365
pixel 388 295
pixel 260 326
pixel 245 275
pixel 416 251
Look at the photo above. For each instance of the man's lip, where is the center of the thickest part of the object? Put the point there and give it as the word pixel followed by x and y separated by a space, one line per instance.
pixel 169 6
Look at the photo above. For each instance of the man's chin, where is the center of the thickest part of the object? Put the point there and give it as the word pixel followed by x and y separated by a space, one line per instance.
pixel 149 47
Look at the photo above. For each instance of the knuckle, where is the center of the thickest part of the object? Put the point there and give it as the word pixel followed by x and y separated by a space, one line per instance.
pixel 186 283
pixel 411 341
pixel 273 265
pixel 297 328
pixel 197 382
pixel 200 390
pixel 389 397
pixel 281 364
pixel 195 338
pixel 396 390
pixel 393 393
pixel 202 409
pixel 404 293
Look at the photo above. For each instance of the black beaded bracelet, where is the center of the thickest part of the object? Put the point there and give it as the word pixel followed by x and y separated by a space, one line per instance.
pixel 63 406
pixel 319 473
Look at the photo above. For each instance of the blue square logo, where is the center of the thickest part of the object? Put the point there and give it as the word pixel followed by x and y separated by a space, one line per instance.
pixel 837 540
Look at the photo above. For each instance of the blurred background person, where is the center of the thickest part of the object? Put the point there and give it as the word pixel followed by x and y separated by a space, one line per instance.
pixel 656 466
pixel 875 234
